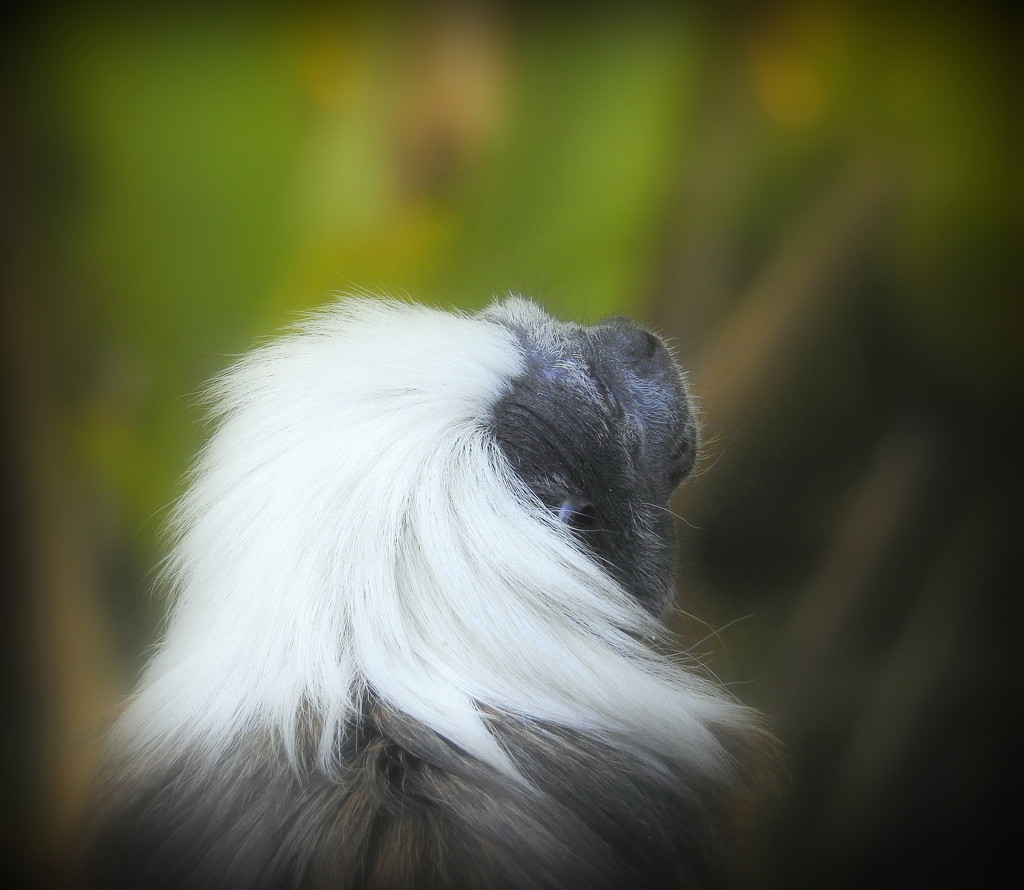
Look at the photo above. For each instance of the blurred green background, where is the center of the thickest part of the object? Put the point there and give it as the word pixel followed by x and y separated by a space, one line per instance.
pixel 817 202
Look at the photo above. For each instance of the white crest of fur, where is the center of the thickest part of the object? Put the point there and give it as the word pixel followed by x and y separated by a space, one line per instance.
pixel 352 525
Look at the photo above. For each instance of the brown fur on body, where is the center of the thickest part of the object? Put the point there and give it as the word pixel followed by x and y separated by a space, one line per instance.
pixel 407 811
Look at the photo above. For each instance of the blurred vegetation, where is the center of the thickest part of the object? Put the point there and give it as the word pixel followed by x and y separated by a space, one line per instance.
pixel 818 202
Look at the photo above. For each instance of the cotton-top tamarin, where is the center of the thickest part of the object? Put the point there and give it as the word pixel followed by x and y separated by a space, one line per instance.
pixel 415 638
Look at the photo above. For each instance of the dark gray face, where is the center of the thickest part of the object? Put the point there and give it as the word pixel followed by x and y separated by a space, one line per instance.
pixel 600 429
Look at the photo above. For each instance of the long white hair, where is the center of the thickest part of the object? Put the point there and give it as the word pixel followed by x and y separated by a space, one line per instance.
pixel 352 527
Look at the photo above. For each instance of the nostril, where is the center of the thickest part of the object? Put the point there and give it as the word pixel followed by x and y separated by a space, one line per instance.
pixel 651 344
pixel 634 339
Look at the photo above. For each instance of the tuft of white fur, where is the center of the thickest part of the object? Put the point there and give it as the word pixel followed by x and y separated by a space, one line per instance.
pixel 352 526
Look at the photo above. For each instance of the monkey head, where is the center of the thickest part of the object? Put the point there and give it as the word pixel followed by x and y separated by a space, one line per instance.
pixel 600 428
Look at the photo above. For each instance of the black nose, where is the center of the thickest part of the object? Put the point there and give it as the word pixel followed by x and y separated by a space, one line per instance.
pixel 631 340
pixel 626 354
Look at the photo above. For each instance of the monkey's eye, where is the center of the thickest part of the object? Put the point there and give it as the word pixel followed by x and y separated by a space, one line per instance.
pixel 579 515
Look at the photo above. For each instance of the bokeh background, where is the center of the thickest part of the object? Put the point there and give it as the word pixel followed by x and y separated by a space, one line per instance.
pixel 817 202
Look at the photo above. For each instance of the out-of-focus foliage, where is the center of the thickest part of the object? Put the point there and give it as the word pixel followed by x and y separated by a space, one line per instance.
pixel 816 201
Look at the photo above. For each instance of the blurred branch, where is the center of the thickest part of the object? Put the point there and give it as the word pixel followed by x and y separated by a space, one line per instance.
pixel 60 652
pixel 887 500
pixel 700 257
pixel 938 674
pixel 64 641
pixel 744 357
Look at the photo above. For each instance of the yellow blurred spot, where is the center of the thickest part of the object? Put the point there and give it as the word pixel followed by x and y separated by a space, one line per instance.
pixel 328 65
pixel 788 88
pixel 796 60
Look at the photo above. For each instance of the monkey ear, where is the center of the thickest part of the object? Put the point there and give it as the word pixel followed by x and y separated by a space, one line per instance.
pixel 576 514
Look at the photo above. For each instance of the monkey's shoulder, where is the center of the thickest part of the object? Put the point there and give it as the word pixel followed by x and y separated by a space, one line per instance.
pixel 405 809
